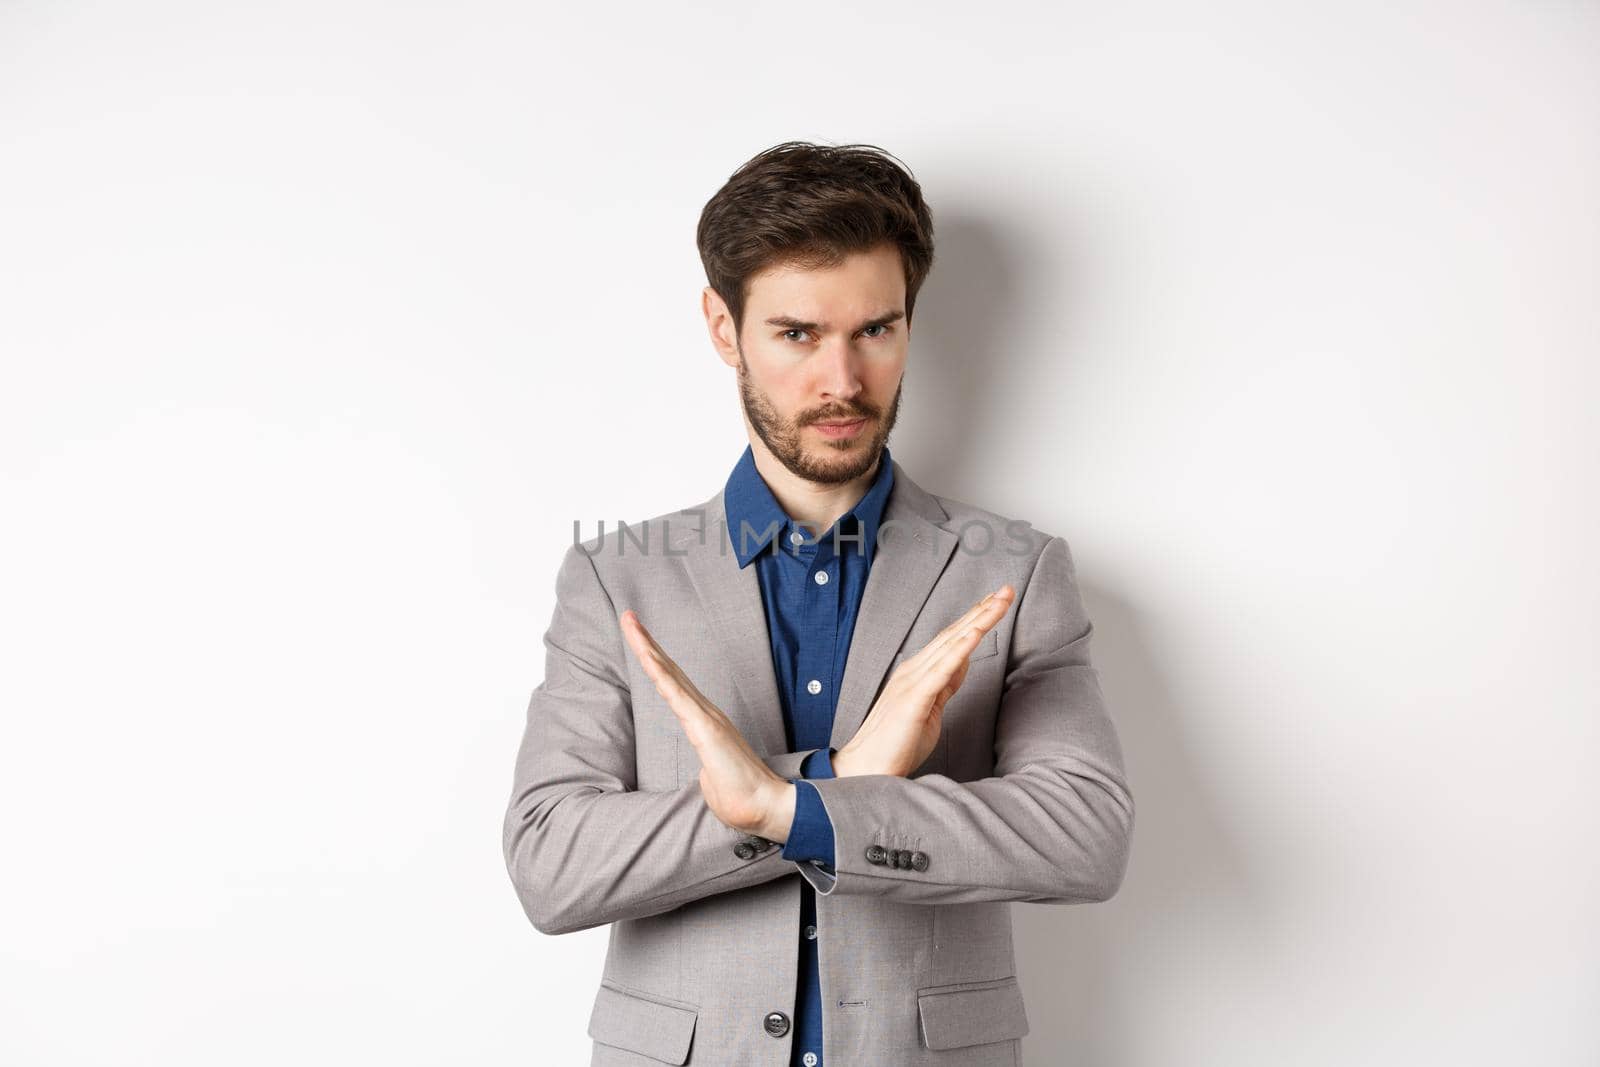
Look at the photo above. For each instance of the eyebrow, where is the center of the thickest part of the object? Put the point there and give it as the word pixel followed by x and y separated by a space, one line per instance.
pixel 789 322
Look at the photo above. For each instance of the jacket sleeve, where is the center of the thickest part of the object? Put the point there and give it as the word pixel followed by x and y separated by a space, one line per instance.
pixel 583 845
pixel 1054 823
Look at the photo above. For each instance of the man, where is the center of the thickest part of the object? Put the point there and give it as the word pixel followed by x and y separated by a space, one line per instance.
pixel 803 743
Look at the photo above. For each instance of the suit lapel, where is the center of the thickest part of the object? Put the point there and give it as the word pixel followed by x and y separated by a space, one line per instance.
pixel 730 604
pixel 912 550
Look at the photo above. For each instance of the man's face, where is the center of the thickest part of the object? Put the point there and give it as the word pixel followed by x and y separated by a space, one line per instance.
pixel 820 349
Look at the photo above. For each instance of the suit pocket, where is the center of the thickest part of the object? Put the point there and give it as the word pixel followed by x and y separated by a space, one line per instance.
pixel 988 645
pixel 652 1026
pixel 971 1013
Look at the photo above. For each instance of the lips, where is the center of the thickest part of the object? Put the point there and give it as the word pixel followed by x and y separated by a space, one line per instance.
pixel 840 431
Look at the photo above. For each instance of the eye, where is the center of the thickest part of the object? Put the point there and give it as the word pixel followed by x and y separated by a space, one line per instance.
pixel 785 334
pixel 878 326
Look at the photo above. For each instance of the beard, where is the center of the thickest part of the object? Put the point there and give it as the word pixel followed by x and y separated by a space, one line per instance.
pixel 838 462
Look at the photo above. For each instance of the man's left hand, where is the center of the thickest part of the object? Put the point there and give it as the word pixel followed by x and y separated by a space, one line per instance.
pixel 738 786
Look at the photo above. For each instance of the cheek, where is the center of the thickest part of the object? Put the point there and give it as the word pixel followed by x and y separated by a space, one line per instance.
pixel 787 390
pixel 882 379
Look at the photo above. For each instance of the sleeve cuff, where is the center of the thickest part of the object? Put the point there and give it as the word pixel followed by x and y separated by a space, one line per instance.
pixel 811 832
pixel 818 764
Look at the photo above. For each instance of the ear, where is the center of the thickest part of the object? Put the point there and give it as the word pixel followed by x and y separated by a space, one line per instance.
pixel 719 323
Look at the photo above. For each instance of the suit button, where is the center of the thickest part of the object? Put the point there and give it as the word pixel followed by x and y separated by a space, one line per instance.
pixel 744 850
pixel 919 861
pixel 877 854
pixel 760 844
pixel 902 859
pixel 776 1023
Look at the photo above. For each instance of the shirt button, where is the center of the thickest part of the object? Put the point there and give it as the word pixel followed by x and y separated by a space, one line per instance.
pixel 813 687
pixel 809 1059
pixel 811 933
pixel 822 577
pixel 796 537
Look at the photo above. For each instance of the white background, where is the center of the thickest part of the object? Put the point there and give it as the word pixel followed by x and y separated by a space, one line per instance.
pixel 322 322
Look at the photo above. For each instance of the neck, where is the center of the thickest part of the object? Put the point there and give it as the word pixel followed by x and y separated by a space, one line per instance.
pixel 814 504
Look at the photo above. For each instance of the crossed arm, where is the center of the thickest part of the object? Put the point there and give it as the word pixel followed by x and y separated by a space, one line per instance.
pixel 585 847
pixel 583 844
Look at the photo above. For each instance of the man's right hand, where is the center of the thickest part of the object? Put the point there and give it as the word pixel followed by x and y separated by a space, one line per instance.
pixel 903 726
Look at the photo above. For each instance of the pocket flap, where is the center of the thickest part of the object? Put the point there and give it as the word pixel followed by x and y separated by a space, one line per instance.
pixel 988 645
pixel 638 1023
pixel 972 1013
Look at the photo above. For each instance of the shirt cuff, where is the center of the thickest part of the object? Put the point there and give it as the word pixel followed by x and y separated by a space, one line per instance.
pixel 811 832
pixel 818 764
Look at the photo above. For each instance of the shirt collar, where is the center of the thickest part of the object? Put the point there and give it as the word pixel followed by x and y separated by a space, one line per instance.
pixel 747 499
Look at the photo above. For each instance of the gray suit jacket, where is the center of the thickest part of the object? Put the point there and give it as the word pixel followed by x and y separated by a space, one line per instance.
pixel 1024 798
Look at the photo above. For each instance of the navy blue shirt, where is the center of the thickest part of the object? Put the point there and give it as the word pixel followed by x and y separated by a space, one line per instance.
pixel 811 591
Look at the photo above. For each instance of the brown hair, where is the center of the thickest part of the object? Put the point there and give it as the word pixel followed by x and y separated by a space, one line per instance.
pixel 811 205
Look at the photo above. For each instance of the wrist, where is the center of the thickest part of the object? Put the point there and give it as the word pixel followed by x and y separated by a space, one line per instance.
pixel 779 812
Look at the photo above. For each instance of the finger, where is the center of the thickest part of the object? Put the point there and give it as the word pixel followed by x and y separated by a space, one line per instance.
pixel 643 644
pixel 645 638
pixel 695 713
pixel 953 659
pixel 930 656
pixel 945 672
pixel 981 617
pixel 634 633
pixel 650 656
pixel 686 684
pixel 952 686
pixel 648 648
pixel 987 611
pixel 939 672
pixel 966 618
pixel 942 697
pixel 919 661
pixel 959 677
pixel 658 666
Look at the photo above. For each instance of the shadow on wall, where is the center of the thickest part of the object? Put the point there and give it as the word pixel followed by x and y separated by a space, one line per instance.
pixel 958 343
pixel 1087 970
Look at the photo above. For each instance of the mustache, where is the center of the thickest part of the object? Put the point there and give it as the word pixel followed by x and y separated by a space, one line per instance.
pixel 839 416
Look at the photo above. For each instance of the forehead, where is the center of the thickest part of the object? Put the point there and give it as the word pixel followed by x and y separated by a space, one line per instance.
pixel 863 282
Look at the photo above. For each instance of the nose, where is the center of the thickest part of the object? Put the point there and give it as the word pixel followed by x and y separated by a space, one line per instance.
pixel 838 367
